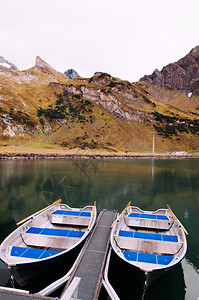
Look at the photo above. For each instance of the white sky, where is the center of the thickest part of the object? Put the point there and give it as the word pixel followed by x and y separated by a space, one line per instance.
pixel 125 38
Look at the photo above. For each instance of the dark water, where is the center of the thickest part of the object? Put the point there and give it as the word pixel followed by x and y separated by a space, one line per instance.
pixel 28 186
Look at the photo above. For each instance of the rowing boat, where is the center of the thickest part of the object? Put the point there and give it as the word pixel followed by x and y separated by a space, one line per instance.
pixel 46 240
pixel 150 242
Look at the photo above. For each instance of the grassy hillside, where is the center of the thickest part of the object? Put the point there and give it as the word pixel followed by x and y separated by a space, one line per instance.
pixel 181 100
pixel 42 107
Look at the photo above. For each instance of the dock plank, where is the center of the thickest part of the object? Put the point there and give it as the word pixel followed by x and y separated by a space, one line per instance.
pixel 90 268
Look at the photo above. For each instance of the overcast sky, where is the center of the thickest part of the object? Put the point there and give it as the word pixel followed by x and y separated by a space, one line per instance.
pixel 125 38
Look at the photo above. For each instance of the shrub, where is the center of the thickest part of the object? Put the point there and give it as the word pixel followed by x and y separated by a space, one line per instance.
pixel 41 121
pixel 76 112
pixel 182 128
pixel 146 99
pixel 104 75
pixel 166 131
pixel 158 116
pixel 40 111
pixel 194 127
pixel 60 99
pixel 11 112
pixel 21 117
pixel 170 129
pixel 77 96
pixel 88 102
pixel 112 84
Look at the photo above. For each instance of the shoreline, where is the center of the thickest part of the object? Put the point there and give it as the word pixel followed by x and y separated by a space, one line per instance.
pixel 35 154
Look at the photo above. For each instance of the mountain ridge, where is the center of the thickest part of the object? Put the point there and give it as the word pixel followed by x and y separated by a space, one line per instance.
pixel 7 64
pixel 180 75
pixel 105 112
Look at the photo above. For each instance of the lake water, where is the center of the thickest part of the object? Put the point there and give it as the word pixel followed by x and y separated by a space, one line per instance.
pixel 28 186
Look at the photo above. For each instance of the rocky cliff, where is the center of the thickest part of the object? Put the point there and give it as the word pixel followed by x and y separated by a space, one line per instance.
pixel 182 75
pixel 121 99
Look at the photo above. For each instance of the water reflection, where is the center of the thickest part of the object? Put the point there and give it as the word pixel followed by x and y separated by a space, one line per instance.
pixel 152 170
pixel 191 280
pixel 186 214
pixel 28 186
pixel 171 285
pixel 4 274
pixel 53 187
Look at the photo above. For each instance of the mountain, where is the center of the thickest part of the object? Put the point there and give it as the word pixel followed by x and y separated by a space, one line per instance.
pixel 70 73
pixel 21 94
pixel 182 75
pixel 6 64
pixel 43 106
pixel 177 83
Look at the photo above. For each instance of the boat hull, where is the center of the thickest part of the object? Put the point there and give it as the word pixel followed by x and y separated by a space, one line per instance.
pixel 127 282
pixel 44 272
pixel 42 251
pixel 144 278
pixel 148 252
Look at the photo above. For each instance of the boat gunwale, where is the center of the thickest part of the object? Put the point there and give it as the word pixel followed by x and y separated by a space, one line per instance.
pixel 139 265
pixel 28 222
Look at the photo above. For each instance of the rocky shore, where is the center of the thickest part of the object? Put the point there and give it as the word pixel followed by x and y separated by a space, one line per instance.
pixel 35 156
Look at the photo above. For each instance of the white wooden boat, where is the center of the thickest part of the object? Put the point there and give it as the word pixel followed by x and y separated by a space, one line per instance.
pixel 151 242
pixel 47 239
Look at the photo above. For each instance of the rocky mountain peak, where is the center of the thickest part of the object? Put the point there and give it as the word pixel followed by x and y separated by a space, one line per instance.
pixel 40 63
pixel 46 69
pixel 7 64
pixel 180 75
pixel 195 52
pixel 71 73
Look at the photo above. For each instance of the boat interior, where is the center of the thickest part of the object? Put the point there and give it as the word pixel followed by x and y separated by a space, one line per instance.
pixel 46 235
pixel 148 238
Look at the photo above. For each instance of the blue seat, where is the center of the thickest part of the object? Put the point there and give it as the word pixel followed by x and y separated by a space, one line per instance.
pixel 169 238
pixel 148 236
pixel 32 252
pixel 76 234
pixel 126 233
pixel 35 230
pixel 56 232
pixel 148 257
pixel 85 214
pixel 148 216
pixel 72 213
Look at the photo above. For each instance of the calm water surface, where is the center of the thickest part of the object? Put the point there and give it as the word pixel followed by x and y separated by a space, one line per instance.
pixel 28 186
